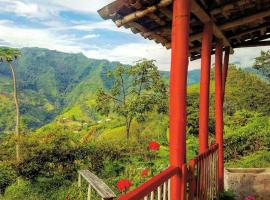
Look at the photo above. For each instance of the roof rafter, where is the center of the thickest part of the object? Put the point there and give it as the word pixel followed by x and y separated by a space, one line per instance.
pixel 197 10
pixel 141 13
pixel 245 20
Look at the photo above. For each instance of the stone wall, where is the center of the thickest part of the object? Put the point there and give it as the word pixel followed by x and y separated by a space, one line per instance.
pixel 248 181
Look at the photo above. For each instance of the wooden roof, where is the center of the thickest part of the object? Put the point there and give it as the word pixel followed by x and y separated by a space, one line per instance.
pixel 240 23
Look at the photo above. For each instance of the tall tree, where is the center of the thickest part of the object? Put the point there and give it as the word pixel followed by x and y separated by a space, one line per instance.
pixel 262 63
pixel 9 55
pixel 136 91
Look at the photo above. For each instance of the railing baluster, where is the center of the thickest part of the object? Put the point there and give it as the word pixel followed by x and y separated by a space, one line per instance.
pixel 169 189
pixel 159 193
pixel 164 190
pixel 146 198
pixel 89 192
pixel 152 195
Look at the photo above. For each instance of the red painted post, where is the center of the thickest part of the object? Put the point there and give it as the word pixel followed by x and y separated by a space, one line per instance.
pixel 178 90
pixel 225 70
pixel 219 112
pixel 204 86
pixel 184 182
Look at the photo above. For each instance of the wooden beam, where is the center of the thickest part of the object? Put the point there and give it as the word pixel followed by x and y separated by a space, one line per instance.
pixel 228 7
pixel 166 12
pixel 145 33
pixel 245 20
pixel 254 44
pixel 141 13
pixel 113 7
pixel 156 19
pixel 239 34
pixel 201 14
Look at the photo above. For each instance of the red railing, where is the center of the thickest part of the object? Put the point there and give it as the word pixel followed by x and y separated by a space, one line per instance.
pixel 199 181
pixel 203 178
pixel 157 187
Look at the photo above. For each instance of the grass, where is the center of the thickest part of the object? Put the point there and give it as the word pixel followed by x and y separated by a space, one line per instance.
pixel 258 159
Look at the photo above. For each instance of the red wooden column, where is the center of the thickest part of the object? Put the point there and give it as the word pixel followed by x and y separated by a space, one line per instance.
pixel 204 86
pixel 178 89
pixel 219 112
pixel 225 69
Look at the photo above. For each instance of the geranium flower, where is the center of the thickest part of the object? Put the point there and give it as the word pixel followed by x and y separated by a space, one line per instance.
pixel 145 172
pixel 153 146
pixel 123 185
pixel 249 198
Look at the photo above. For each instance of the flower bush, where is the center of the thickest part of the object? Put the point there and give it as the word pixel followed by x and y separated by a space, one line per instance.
pixel 145 172
pixel 123 185
pixel 153 146
pixel 250 198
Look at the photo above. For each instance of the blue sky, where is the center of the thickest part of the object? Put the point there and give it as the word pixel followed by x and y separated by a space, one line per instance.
pixel 74 26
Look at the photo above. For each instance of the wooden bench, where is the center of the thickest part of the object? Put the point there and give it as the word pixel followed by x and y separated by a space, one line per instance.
pixel 94 182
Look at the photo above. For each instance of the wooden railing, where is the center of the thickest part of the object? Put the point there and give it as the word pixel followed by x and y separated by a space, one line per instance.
pixel 202 178
pixel 198 181
pixel 97 184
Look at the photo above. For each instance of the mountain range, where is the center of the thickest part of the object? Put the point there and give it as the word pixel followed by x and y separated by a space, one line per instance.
pixel 50 82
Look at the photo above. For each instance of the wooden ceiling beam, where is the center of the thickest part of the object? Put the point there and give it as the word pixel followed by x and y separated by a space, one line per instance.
pixel 228 7
pixel 112 8
pixel 197 10
pixel 254 44
pixel 166 12
pixel 141 13
pixel 145 33
pixel 245 20
pixel 239 34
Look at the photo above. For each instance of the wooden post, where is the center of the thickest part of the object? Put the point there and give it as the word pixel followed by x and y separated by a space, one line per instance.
pixel 204 86
pixel 80 184
pixel 89 192
pixel 178 89
pixel 219 112
pixel 79 181
pixel 225 71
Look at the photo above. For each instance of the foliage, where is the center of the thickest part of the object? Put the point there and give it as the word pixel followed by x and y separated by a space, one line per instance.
pixel 7 176
pixel 76 136
pixel 262 63
pixel 136 91
pixel 249 135
pixel 9 54
pixel 226 195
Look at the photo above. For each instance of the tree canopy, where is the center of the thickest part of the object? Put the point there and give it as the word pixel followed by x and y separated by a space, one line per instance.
pixel 136 91
pixel 262 63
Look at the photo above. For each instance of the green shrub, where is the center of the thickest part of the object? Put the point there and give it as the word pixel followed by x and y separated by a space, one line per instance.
pixel 7 176
pixel 226 195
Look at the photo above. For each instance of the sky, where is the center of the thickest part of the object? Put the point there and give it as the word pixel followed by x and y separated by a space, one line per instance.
pixel 74 26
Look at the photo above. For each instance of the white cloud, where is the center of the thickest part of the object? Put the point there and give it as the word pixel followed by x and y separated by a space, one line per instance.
pixel 82 5
pixel 26 9
pixel 129 53
pixel 28 37
pixel 57 36
pixel 42 9
pixel 105 25
pixel 126 53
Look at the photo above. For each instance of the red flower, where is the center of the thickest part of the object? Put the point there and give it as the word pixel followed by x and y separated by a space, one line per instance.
pixel 145 172
pixel 123 184
pixel 153 146
pixel 250 198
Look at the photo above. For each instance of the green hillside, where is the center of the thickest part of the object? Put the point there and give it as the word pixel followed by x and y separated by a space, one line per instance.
pixel 51 82
pixel 48 82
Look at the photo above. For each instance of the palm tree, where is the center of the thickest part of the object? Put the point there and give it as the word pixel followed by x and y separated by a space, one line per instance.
pixel 8 55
